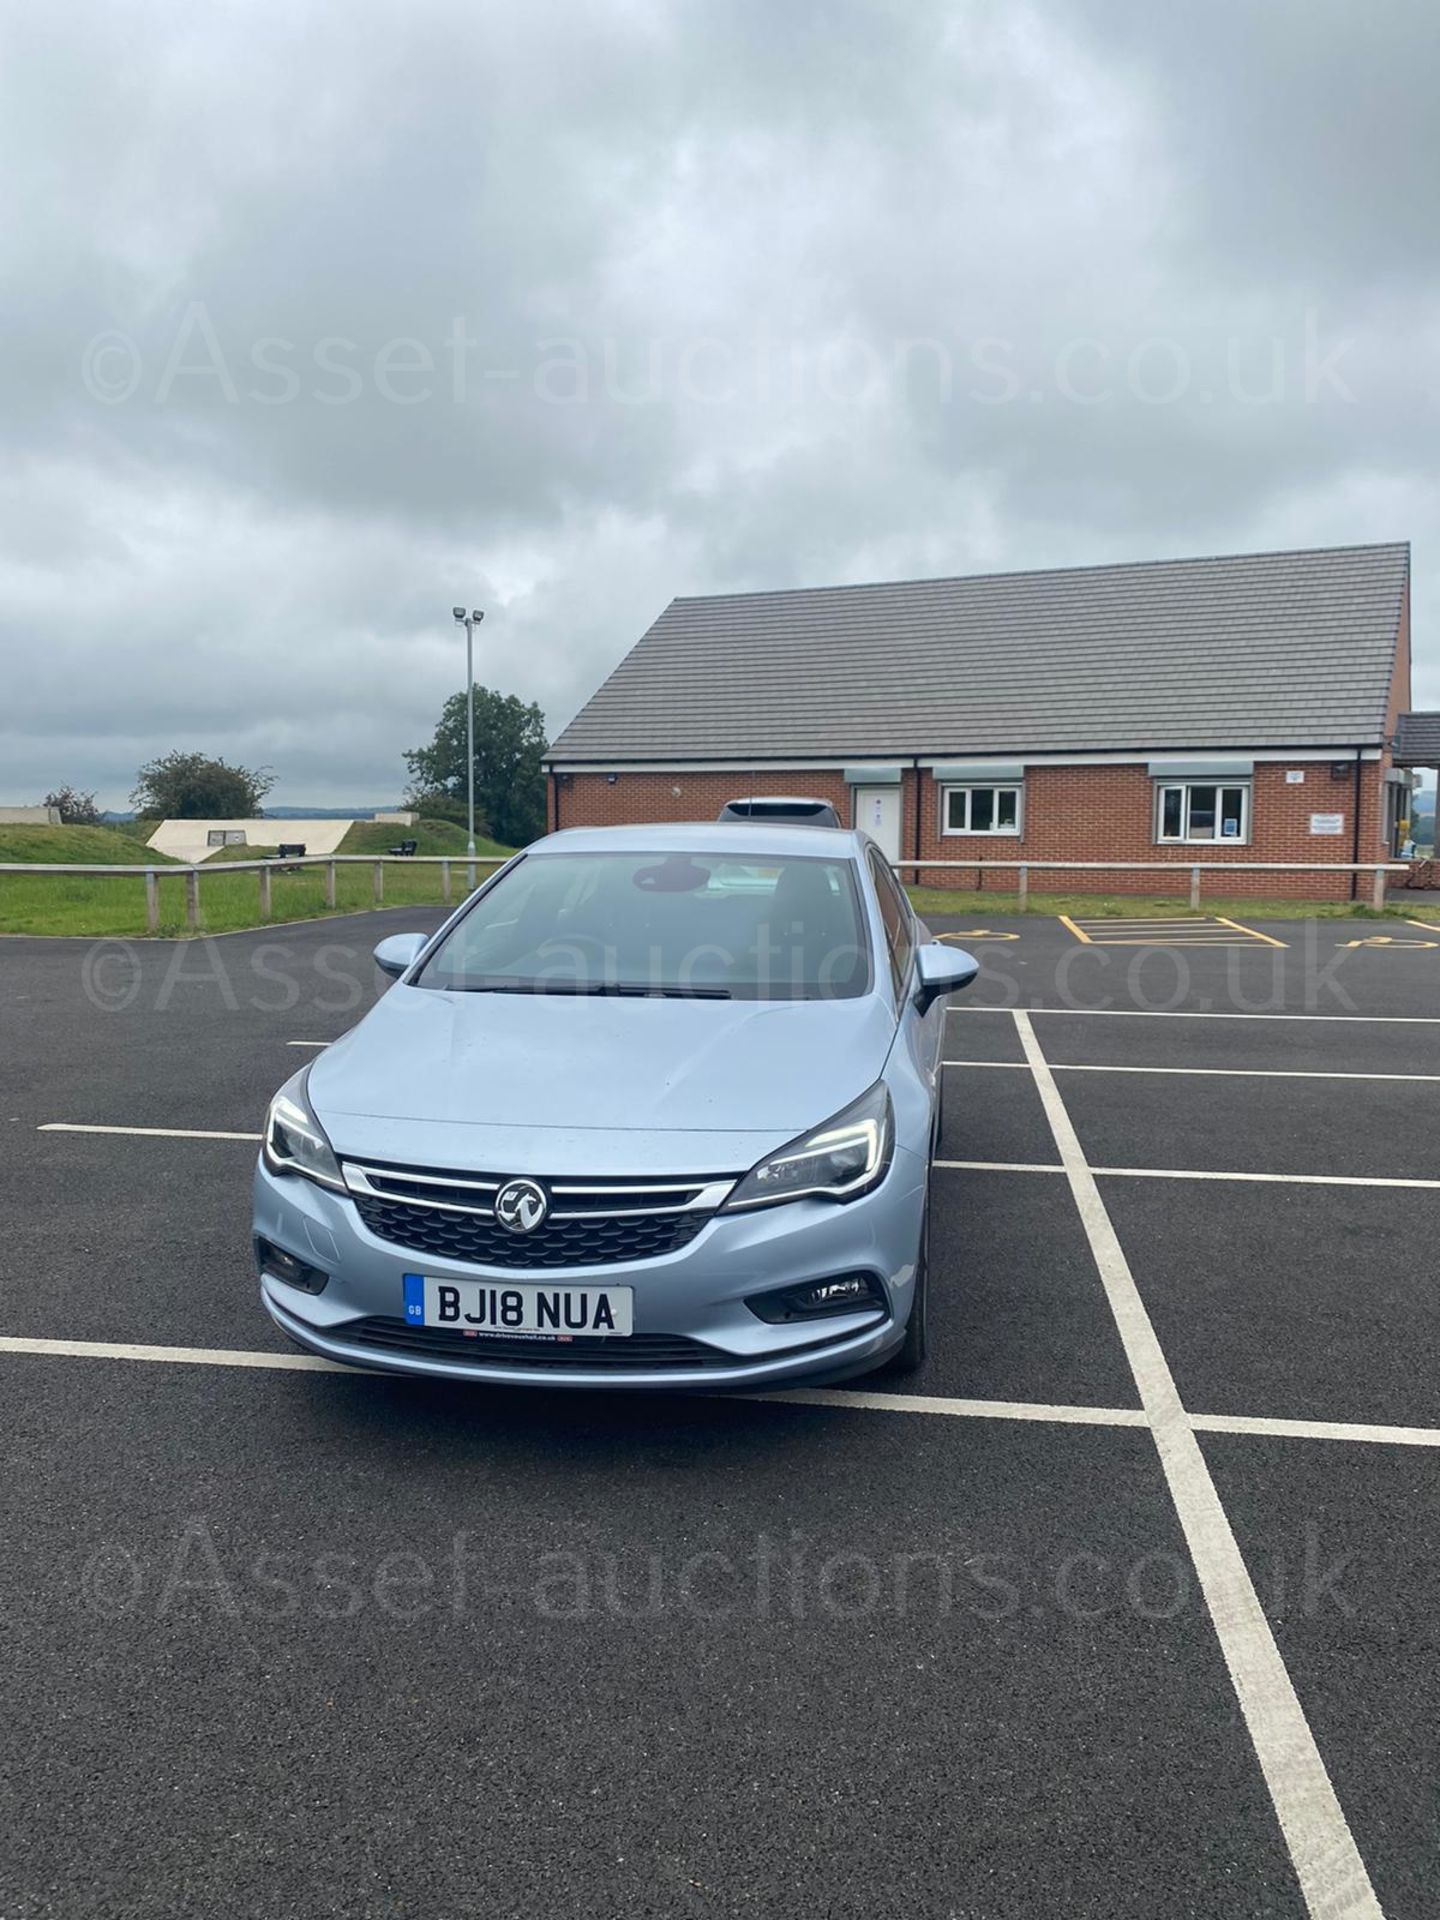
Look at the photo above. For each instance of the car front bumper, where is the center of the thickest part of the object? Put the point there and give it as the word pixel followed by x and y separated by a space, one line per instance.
pixel 696 1294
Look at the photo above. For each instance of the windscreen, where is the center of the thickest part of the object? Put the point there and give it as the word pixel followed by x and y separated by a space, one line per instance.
pixel 702 925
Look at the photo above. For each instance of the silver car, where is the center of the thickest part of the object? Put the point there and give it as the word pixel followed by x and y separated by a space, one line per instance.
pixel 655 1108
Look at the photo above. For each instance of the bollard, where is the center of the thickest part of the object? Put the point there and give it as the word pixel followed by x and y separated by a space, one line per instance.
pixel 330 884
pixel 1377 892
pixel 379 881
pixel 445 881
pixel 1194 886
pixel 265 893
pixel 152 902
pixel 192 899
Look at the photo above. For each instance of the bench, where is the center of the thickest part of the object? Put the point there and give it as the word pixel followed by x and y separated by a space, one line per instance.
pixel 288 850
pixel 405 850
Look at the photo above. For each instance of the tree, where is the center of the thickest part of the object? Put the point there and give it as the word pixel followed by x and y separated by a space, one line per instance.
pixel 76 809
pixel 191 786
pixel 509 783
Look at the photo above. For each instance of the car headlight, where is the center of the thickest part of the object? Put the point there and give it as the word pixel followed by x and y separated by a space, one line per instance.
pixel 295 1140
pixel 842 1158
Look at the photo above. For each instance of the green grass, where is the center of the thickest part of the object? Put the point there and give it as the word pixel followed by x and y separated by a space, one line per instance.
pixel 95 906
pixel 78 847
pixel 434 836
pixel 1109 906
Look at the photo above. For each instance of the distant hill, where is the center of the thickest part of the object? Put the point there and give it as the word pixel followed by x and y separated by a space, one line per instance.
pixel 112 818
pixel 330 813
pixel 1422 821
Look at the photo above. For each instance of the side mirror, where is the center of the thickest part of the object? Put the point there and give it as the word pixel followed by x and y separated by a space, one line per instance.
pixel 400 952
pixel 941 970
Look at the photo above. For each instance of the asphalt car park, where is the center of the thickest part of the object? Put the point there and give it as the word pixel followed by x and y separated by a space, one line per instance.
pixel 1125 1605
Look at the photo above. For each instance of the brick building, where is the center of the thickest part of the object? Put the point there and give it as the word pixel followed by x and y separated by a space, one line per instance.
pixel 1234 709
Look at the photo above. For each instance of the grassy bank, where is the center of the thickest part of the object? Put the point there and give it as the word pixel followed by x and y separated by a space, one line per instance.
pixel 433 836
pixel 437 837
pixel 98 906
pixel 78 847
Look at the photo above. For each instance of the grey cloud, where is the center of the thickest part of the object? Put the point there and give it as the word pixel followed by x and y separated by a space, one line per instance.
pixel 764 204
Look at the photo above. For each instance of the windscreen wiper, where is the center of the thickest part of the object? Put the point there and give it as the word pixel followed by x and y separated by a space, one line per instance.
pixel 619 989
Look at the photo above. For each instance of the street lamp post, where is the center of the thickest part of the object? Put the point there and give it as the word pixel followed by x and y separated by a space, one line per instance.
pixel 469 621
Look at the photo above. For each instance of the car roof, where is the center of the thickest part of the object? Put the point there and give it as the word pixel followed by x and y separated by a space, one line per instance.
pixel 756 839
pixel 779 800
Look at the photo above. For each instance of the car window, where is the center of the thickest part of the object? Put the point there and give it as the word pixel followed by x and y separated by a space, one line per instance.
pixel 899 921
pixel 702 924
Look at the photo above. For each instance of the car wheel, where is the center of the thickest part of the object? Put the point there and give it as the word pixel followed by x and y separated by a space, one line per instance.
pixel 911 1355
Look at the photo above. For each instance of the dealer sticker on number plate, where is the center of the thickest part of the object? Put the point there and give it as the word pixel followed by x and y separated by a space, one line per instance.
pixel 547 1313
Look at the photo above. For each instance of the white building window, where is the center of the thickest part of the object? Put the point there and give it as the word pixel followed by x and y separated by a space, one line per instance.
pixel 980 810
pixel 1202 810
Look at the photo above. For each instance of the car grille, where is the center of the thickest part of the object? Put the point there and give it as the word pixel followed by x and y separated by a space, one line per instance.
pixel 638 1353
pixel 592 1222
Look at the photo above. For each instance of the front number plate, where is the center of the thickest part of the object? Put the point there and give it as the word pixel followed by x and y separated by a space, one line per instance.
pixel 545 1313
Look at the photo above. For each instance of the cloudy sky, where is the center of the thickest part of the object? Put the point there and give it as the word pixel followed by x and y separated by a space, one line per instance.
pixel 320 319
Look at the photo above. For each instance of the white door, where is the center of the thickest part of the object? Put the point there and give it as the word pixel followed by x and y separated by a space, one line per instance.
pixel 877 812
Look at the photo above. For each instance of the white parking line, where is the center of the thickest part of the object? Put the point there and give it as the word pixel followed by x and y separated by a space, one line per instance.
pixel 145 1133
pixel 1315 1430
pixel 173 1356
pixel 953 1409
pixel 1266 1179
pixel 999 1166
pixel 844 1398
pixel 1181 1013
pixel 309 1043
pixel 965 1166
pixel 1204 1073
pixel 1190 1173
pixel 1332 1876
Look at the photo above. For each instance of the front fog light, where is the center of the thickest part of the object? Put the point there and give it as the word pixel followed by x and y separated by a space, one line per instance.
pixel 284 1266
pixel 843 1293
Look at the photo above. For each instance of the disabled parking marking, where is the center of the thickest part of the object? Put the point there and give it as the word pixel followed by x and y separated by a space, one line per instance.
pixel 1209 930
pixel 1265 939
pixel 978 933
pixel 1385 940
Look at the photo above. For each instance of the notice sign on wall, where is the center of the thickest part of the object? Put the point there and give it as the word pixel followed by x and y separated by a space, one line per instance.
pixel 1327 823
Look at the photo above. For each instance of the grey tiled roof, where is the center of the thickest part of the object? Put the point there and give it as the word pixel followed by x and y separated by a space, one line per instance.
pixel 1417 740
pixel 1270 649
